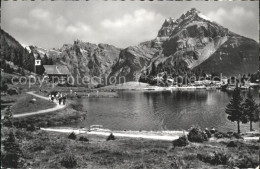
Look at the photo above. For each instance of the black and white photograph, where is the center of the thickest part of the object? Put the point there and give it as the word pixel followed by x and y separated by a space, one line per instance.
pixel 131 84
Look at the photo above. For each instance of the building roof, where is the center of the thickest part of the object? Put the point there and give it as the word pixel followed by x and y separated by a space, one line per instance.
pixel 56 69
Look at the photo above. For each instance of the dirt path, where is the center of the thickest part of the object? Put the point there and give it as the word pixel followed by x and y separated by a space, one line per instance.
pixel 57 107
pixel 163 136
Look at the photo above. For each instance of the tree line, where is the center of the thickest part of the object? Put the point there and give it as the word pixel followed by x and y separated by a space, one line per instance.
pixel 12 51
pixel 18 55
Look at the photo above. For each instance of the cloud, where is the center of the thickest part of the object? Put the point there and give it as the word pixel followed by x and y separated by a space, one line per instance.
pixel 24 23
pixel 40 14
pixel 238 20
pixel 237 16
pixel 79 31
pixel 77 28
pixel 47 26
pixel 20 21
pixel 132 28
pixel 138 18
pixel 61 23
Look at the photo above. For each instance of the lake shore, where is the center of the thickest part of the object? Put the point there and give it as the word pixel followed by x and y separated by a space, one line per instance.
pixel 150 135
pixel 139 86
pixel 68 115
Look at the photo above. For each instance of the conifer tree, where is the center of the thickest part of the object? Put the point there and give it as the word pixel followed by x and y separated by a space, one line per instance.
pixel 11 157
pixel 4 86
pixel 235 109
pixel 153 70
pixel 8 118
pixel 45 60
pixel 50 61
pixel 251 109
pixel 29 62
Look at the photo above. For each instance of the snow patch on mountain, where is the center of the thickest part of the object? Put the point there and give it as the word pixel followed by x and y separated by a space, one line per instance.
pixel 204 17
pixel 26 47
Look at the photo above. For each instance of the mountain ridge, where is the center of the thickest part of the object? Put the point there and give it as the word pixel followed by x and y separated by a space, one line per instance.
pixel 184 44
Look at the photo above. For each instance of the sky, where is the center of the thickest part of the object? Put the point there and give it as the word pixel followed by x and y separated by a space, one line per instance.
pixel 50 24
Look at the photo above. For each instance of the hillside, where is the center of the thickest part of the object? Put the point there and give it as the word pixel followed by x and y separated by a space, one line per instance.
pixel 132 60
pixel 12 52
pixel 238 55
pixel 83 58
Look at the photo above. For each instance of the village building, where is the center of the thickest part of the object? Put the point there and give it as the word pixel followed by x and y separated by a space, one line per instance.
pixel 56 73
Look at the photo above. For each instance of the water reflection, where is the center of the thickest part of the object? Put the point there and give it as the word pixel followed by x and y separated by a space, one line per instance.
pixel 159 110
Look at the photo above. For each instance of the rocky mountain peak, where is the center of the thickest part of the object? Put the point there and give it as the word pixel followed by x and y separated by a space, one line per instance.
pixel 192 11
pixel 170 25
pixel 167 27
pixel 191 16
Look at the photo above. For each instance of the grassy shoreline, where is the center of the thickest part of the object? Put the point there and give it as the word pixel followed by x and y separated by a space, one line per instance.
pixel 26 104
pixel 69 115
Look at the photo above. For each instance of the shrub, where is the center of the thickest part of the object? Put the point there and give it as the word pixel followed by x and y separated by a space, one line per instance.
pixel 215 158
pixel 246 162
pixel 22 134
pixel 72 136
pixel 197 135
pixel 20 123
pixel 83 139
pixel 231 144
pixel 30 127
pixel 181 141
pixel 235 135
pixel 228 135
pixel 219 135
pixel 69 161
pixel 178 163
pixel 111 137
pixel 12 91
pixel 77 106
pixel 37 145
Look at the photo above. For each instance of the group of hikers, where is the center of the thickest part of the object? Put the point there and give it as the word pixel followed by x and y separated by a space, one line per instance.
pixel 59 97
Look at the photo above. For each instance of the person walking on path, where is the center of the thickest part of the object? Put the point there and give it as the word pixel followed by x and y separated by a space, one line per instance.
pixel 60 98
pixel 57 96
pixel 64 100
pixel 49 98
pixel 52 98
pixel 48 110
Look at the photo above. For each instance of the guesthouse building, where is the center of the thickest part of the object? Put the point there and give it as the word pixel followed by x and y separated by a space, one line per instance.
pixel 57 73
